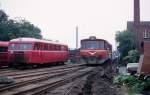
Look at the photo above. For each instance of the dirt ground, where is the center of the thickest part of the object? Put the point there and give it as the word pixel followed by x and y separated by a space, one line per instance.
pixel 95 83
pixel 99 84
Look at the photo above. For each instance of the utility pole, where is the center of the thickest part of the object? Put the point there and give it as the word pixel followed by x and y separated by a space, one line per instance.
pixel 76 37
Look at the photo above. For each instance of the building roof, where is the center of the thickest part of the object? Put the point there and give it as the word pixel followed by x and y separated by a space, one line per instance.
pixel 130 24
pixel 141 23
pixel 145 23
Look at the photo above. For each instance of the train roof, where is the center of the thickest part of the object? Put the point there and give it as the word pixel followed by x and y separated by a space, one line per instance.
pixel 3 43
pixel 93 38
pixel 24 39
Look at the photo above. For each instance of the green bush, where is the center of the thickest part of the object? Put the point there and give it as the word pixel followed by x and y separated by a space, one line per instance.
pixel 118 80
pixel 132 82
pixel 125 79
pixel 142 86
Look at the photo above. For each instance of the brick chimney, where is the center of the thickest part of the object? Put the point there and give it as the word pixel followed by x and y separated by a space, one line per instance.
pixel 136 11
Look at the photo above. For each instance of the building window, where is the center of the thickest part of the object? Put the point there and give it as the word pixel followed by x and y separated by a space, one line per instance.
pixel 146 34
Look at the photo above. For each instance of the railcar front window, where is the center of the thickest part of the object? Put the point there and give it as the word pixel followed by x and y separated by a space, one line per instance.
pixel 93 45
pixel 20 47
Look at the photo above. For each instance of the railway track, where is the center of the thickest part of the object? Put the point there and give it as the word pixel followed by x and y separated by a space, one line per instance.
pixel 22 72
pixel 29 83
pixel 31 78
pixel 38 73
pixel 6 70
pixel 42 87
pixel 47 79
pixel 82 86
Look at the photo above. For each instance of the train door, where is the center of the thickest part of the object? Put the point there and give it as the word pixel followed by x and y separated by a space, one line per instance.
pixel 36 55
pixel 56 55
pixel 50 53
pixel 45 53
pixel 59 53
pixel 42 52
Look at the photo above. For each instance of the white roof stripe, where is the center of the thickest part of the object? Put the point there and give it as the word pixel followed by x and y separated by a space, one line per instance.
pixel 34 40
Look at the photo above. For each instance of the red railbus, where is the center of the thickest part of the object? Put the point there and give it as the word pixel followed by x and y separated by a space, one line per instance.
pixel 4 53
pixel 33 52
pixel 95 51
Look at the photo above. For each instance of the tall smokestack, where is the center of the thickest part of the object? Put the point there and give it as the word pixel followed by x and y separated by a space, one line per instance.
pixel 76 36
pixel 136 11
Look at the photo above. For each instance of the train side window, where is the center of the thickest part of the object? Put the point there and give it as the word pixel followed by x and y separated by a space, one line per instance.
pixel 41 46
pixel 55 47
pixel 37 46
pixel 50 47
pixel 58 48
pixel 62 48
pixel 45 46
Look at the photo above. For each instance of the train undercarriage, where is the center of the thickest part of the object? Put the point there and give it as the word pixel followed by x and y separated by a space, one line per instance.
pixel 107 65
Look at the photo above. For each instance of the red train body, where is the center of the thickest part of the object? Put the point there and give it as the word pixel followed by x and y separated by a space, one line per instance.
pixel 94 50
pixel 30 51
pixel 4 53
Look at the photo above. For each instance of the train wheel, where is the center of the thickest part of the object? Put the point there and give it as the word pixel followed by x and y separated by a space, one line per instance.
pixel 61 63
pixel 14 65
pixel 10 65
pixel 81 60
pixel 35 66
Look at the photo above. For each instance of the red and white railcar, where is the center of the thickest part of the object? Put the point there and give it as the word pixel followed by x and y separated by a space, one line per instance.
pixel 31 51
pixel 4 53
pixel 94 50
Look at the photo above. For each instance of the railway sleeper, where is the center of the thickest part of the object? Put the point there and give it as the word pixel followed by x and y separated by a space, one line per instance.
pixel 13 85
pixel 50 86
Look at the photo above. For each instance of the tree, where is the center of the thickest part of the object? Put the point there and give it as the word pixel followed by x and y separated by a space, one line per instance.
pixel 3 16
pixel 3 24
pixel 126 41
pixel 10 29
pixel 132 57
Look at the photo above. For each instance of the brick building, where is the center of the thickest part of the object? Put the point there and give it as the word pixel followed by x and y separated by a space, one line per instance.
pixel 140 28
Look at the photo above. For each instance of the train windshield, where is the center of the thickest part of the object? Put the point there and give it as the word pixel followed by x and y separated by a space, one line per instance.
pixel 20 46
pixel 3 49
pixel 93 45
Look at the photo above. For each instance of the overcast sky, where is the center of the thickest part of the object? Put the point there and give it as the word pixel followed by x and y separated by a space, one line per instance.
pixel 58 18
